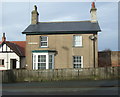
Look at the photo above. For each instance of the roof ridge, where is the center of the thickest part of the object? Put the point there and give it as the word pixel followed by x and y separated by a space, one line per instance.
pixel 64 21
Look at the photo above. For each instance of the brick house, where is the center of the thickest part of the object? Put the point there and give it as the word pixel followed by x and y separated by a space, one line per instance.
pixel 12 54
pixel 55 45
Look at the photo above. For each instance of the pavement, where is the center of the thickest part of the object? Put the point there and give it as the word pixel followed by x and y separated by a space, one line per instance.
pixel 76 87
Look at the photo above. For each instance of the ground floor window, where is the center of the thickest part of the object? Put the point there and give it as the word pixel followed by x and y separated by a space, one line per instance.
pixel 77 61
pixel 1 61
pixel 43 61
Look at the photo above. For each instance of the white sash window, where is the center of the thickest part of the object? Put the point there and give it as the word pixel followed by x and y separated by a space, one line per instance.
pixel 77 61
pixel 43 41
pixel 77 41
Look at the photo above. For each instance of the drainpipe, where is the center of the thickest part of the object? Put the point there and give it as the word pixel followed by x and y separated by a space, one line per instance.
pixel 93 38
pixel 94 51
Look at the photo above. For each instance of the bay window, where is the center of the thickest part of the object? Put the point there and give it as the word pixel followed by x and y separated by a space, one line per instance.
pixel 43 61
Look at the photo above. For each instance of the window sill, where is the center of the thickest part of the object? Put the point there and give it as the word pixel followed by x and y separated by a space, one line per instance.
pixel 43 47
pixel 77 46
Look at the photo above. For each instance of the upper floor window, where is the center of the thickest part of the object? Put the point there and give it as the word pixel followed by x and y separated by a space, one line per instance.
pixel 44 41
pixel 77 40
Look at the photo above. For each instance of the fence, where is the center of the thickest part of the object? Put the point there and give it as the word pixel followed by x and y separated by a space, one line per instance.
pixel 60 74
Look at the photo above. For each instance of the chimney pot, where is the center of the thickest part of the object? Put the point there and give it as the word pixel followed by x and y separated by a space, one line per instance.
pixel 3 38
pixel 93 4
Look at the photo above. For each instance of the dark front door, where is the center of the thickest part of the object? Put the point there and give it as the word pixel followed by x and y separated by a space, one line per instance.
pixel 13 63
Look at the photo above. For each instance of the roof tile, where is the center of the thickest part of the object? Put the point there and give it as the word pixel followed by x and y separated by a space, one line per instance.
pixel 17 46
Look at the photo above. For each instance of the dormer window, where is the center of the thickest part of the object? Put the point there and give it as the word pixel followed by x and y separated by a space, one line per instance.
pixel 43 41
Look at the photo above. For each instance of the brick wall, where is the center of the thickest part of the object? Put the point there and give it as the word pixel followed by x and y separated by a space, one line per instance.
pixel 109 58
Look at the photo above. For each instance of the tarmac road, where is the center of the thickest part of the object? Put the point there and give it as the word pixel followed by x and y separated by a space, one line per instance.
pixel 78 87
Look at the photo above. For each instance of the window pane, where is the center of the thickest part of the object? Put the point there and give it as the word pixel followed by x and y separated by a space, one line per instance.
pixel 43 43
pixel 41 61
pixel 43 58
pixel 77 38
pixel 34 58
pixel 43 38
pixel 34 61
pixel 34 65
pixel 39 58
pixel 2 62
pixel 50 62
pixel 50 58
pixel 50 65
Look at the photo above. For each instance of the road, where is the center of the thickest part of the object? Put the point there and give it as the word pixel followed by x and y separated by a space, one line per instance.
pixel 78 87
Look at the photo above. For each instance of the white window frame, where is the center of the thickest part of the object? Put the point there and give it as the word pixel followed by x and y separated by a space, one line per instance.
pixel 35 63
pixel 40 62
pixel 78 63
pixel 80 41
pixel 51 62
pixel 43 41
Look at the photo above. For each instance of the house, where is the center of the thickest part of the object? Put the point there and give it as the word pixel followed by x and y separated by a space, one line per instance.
pixel 12 54
pixel 56 45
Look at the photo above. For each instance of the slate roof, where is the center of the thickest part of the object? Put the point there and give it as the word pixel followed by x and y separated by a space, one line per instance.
pixel 17 46
pixel 59 27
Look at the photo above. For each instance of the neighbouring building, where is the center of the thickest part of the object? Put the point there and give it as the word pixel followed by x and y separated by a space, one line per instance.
pixel 108 58
pixel 56 45
pixel 12 54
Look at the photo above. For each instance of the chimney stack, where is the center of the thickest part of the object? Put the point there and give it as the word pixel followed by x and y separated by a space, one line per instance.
pixel 93 13
pixel 3 38
pixel 35 15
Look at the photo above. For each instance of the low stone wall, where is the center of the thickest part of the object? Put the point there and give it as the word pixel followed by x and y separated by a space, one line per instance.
pixel 60 74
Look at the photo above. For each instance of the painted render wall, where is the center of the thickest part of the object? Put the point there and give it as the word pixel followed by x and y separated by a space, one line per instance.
pixel 63 44
pixel 7 57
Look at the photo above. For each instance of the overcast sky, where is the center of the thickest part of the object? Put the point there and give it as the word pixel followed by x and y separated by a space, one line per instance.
pixel 15 17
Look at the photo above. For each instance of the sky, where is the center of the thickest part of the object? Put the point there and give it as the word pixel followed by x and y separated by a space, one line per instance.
pixel 16 16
